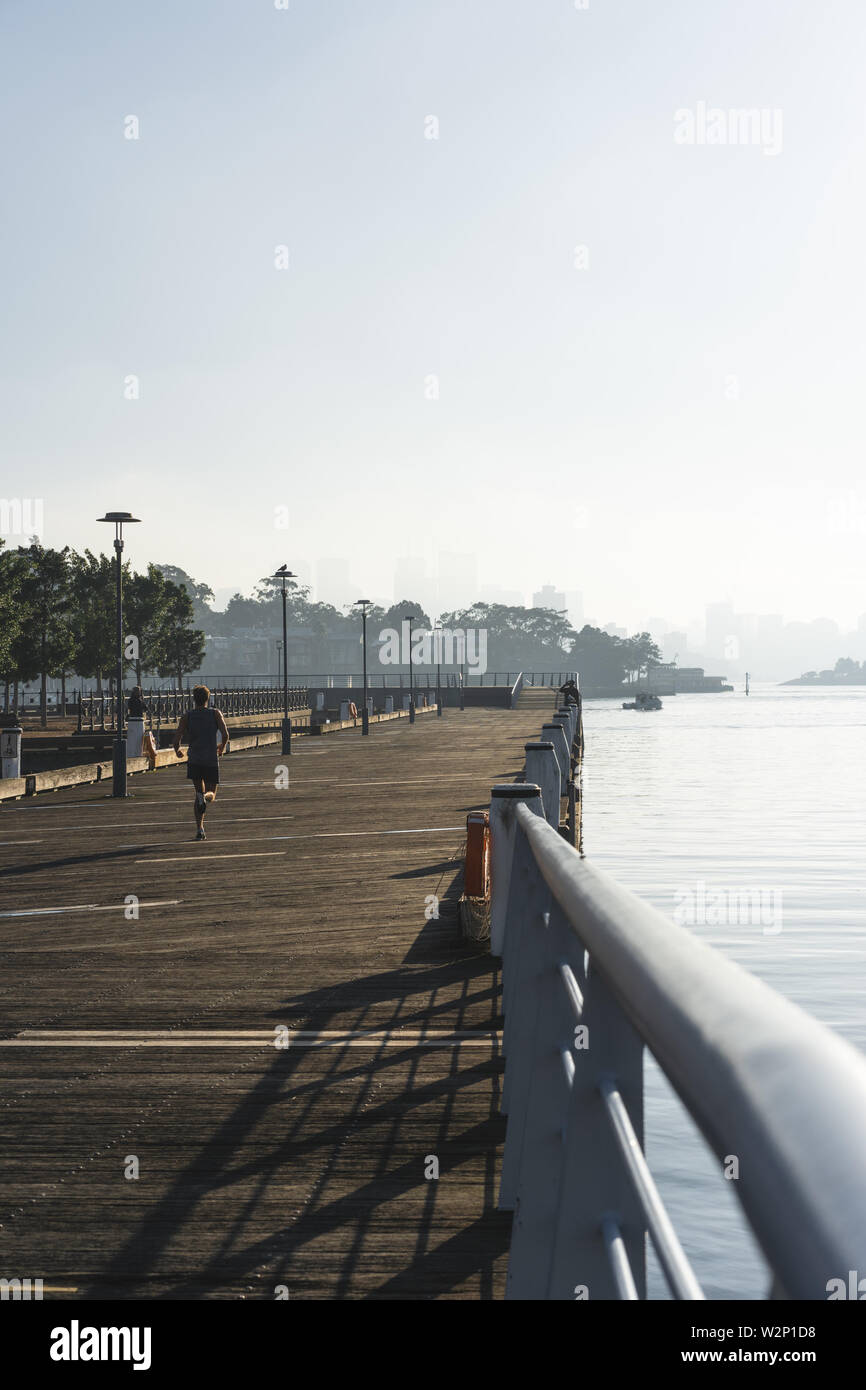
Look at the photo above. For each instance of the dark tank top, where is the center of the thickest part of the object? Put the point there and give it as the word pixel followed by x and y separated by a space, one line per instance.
pixel 202 733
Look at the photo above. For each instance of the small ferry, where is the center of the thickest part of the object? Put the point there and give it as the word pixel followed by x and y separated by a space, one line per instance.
pixel 643 700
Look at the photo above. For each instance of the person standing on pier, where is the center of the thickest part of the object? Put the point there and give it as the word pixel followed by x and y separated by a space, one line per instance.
pixel 200 727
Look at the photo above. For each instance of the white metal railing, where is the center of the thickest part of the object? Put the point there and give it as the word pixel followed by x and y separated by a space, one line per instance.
pixel 591 975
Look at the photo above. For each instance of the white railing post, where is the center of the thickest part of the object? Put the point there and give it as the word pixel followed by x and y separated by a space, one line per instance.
pixel 529 901
pixel 542 768
pixel 555 734
pixel 503 804
pixel 541 1143
pixel 565 717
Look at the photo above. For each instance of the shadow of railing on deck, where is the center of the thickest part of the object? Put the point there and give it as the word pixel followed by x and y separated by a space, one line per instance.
pixel 375 1259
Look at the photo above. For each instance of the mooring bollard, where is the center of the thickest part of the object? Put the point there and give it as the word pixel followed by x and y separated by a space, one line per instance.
pixel 10 751
pixel 542 768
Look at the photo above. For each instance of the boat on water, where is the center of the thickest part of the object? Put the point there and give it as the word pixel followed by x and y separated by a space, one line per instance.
pixel 644 701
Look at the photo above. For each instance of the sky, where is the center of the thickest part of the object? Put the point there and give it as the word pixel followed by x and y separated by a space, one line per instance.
pixel 521 316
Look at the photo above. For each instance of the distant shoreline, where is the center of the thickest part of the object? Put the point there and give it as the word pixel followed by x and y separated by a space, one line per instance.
pixel 826 680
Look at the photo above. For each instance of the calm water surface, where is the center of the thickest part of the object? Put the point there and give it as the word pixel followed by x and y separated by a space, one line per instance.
pixel 763 795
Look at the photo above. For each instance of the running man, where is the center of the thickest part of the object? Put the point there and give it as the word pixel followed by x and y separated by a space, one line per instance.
pixel 200 726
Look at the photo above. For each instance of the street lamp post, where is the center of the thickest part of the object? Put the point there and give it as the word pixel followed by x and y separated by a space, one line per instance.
pixel 283 574
pixel 364 604
pixel 408 618
pixel 119 752
pixel 437 637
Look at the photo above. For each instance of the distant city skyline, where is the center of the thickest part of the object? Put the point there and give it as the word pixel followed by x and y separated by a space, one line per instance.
pixel 723 638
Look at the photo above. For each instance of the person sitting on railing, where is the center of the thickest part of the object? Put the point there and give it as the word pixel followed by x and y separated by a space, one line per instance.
pixel 135 704
pixel 570 691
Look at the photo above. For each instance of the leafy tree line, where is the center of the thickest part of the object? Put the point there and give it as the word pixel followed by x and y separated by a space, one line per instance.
pixel 58 618
pixel 540 639
pixel 530 639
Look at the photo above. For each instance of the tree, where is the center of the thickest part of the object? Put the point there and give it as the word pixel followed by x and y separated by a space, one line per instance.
pixel 154 606
pixel 45 643
pixel 640 653
pixel 201 594
pixel 13 612
pixel 268 594
pixel 393 616
pixel 847 667
pixel 180 646
pixel 93 610
pixel 599 658
pixel 529 639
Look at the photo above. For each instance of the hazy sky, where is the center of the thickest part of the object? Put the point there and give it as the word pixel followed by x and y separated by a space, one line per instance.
pixel 675 422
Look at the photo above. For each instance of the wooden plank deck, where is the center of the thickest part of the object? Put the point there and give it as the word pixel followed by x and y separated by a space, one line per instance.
pixel 259 1166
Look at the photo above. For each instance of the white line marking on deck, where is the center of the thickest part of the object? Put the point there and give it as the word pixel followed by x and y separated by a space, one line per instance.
pixel 251 1037
pixel 185 858
pixel 20 842
pixel 331 834
pixel 86 907
pixel 257 839
pixel 142 825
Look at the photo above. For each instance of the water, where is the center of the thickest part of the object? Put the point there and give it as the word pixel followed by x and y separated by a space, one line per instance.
pixel 767 795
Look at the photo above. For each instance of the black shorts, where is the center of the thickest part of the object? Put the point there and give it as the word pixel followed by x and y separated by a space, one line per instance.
pixel 208 772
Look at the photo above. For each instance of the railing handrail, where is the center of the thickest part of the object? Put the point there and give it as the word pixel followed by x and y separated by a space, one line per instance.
pixel 763 1080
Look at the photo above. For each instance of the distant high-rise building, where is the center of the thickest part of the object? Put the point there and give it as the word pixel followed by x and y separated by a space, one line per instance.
pixel 674 645
pixel 458 581
pixel 549 597
pixel 723 632
pixel 333 582
pixel 411 581
pixel 574 604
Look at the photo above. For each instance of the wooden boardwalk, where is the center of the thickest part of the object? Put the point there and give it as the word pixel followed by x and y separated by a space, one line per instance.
pixel 154 1039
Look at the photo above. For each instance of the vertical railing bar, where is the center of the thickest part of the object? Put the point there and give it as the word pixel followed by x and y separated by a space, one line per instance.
pixel 572 988
pixel 672 1257
pixel 619 1261
pixel 567 1065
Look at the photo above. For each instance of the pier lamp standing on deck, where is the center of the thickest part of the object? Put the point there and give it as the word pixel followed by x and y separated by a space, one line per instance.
pixel 407 618
pixel 283 574
pixel 364 604
pixel 119 753
pixel 437 638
